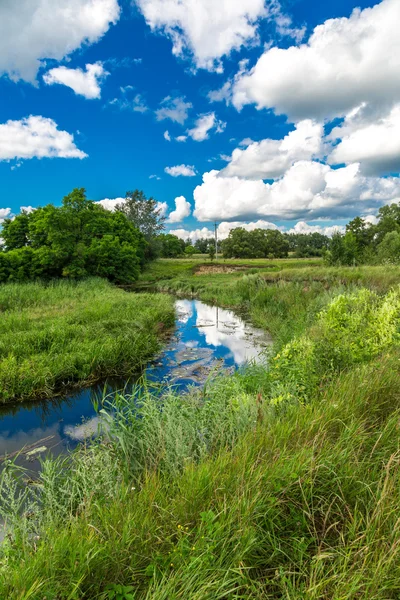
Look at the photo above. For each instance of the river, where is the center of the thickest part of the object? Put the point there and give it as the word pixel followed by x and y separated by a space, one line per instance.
pixel 206 339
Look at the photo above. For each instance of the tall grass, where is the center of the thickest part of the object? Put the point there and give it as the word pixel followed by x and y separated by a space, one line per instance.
pixel 303 505
pixel 56 335
pixel 228 493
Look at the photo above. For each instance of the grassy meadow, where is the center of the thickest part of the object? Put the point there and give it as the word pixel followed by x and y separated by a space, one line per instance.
pixel 279 482
pixel 62 334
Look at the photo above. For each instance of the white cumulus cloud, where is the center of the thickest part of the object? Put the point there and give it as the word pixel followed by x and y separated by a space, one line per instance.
pixel 181 170
pixel 205 28
pixel 346 61
pixel 270 159
pixel 209 29
pixel 203 126
pixel 182 210
pixel 193 235
pixel 84 83
pixel 308 189
pixel 34 30
pixel 329 230
pixel 36 137
pixel 372 141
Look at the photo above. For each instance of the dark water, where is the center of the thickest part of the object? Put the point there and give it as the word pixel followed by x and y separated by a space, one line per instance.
pixel 205 340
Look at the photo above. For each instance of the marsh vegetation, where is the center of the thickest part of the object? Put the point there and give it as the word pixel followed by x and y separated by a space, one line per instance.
pixel 277 481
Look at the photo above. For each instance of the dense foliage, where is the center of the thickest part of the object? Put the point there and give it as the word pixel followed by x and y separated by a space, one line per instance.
pixel 260 243
pixel 364 242
pixel 78 239
pixel 146 215
pixel 170 246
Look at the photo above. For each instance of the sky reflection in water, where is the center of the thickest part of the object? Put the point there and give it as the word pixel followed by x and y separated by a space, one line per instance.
pixel 206 339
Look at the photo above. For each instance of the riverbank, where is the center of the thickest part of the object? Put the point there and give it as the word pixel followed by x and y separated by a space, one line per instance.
pixel 65 334
pixel 270 483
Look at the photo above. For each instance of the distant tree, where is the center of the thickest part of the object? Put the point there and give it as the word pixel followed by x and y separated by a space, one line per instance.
pixel 15 232
pixel 171 245
pixel 307 244
pixel 388 220
pixel 389 249
pixel 260 243
pixel 146 216
pixel 211 250
pixel 343 249
pixel 190 250
pixel 201 246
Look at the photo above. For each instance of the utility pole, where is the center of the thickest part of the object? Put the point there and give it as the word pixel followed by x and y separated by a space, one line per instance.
pixel 216 241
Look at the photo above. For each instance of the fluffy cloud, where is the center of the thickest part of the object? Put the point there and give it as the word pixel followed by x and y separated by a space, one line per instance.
pixel 33 30
pixel 175 109
pixel 270 159
pixel 373 142
pixel 4 213
pixel 84 83
pixel 303 227
pixel 346 61
pixel 209 30
pixel 308 189
pixel 184 170
pixel 182 210
pixel 194 235
pixel 167 136
pixel 206 29
pixel 36 136
pixel 205 124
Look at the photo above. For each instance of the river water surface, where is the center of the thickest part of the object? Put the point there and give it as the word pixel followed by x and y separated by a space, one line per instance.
pixel 206 339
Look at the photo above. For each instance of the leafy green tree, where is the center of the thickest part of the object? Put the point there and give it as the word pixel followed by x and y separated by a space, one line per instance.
pixel 211 250
pixel 190 250
pixel 389 220
pixel 201 246
pixel 307 244
pixel 15 232
pixel 171 245
pixel 260 243
pixel 145 214
pixel 389 248
pixel 79 238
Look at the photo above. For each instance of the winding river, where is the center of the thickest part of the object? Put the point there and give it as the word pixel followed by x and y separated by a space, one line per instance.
pixel 206 339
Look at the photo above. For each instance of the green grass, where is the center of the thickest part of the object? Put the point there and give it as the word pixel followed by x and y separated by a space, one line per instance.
pixel 279 482
pixel 62 334
pixel 304 505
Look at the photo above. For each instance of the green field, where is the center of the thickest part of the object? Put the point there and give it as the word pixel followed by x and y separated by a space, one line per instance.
pixel 279 482
pixel 63 334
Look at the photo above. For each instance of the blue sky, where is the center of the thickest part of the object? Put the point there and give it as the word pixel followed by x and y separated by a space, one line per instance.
pixel 156 66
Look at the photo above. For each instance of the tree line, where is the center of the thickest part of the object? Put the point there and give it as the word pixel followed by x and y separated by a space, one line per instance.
pixel 366 243
pixel 79 239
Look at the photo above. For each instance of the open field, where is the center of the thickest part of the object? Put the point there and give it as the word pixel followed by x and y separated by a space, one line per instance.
pixel 63 334
pixel 281 481
pixel 282 296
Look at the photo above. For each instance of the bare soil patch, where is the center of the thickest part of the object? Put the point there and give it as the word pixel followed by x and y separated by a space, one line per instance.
pixel 218 269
